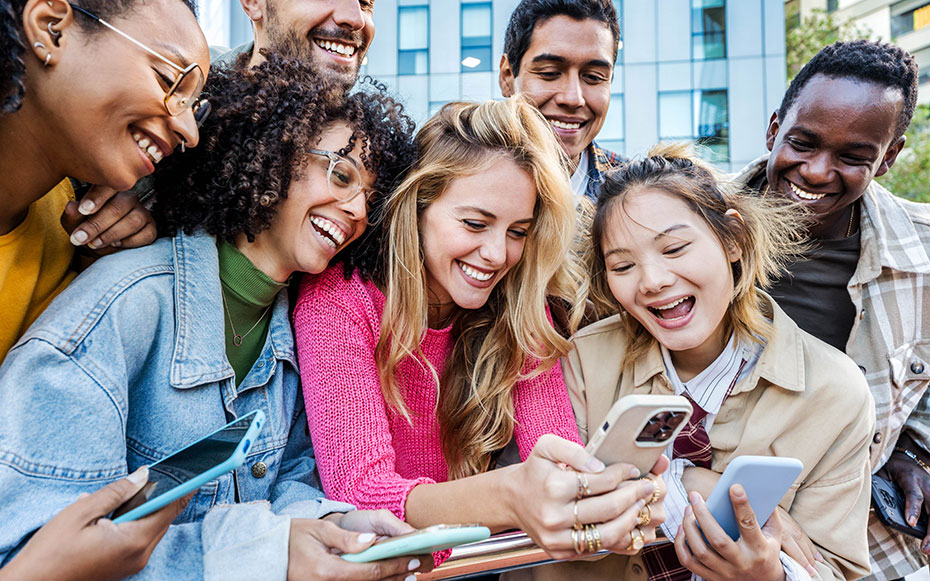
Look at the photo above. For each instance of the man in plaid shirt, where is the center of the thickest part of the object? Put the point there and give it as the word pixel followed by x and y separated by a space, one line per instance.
pixel 865 284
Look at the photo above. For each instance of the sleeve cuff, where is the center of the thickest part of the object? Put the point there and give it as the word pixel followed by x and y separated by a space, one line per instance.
pixel 245 541
pixel 793 570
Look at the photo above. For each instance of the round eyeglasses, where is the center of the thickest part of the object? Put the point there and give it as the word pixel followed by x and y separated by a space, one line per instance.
pixel 183 92
pixel 342 177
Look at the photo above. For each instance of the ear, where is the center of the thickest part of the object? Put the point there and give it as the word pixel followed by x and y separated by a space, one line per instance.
pixel 254 9
pixel 506 78
pixel 734 252
pixel 45 23
pixel 891 155
pixel 772 132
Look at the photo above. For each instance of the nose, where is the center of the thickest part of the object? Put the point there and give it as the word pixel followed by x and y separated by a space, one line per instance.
pixel 570 94
pixel 817 169
pixel 185 127
pixel 356 208
pixel 348 14
pixel 493 249
pixel 654 277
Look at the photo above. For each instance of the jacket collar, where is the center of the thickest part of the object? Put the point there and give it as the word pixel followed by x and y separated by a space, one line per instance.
pixel 781 363
pixel 200 334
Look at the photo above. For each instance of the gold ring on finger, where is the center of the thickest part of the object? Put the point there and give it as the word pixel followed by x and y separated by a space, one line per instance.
pixel 577 524
pixel 644 516
pixel 593 538
pixel 583 488
pixel 637 539
pixel 578 541
pixel 655 493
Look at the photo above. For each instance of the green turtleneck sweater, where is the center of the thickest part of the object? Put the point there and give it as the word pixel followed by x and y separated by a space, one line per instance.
pixel 248 295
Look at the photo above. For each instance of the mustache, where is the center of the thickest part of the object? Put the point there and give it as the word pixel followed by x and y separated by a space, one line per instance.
pixel 340 34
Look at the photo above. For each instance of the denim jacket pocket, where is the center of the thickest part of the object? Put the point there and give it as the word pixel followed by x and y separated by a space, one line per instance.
pixel 204 499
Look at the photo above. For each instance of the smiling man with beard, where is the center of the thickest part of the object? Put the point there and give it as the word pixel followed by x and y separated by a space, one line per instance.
pixel 864 286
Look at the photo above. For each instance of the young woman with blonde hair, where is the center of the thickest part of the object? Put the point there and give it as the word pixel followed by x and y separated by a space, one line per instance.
pixel 420 364
pixel 679 256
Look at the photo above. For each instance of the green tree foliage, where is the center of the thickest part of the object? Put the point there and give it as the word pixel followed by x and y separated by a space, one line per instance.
pixel 910 175
pixel 804 37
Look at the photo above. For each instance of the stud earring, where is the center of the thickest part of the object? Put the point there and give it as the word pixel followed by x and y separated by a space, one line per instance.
pixel 48 57
pixel 38 44
pixel 56 34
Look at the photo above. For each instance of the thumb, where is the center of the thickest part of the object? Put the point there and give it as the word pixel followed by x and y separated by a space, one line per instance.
pixel 71 218
pixel 561 451
pixel 339 540
pixel 111 496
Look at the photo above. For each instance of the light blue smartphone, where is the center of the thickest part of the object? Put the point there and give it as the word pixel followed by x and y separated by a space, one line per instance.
pixel 421 542
pixel 193 466
pixel 766 480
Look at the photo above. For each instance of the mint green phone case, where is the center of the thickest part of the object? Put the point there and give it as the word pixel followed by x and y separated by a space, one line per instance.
pixel 422 542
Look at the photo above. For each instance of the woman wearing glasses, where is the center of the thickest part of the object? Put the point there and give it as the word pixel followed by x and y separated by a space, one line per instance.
pixel 82 95
pixel 154 347
pixel 422 366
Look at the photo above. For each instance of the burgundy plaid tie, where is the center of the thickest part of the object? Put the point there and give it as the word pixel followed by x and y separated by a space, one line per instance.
pixel 692 444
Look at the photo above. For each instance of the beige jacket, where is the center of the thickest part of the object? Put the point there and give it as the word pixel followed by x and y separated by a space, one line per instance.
pixel 803 399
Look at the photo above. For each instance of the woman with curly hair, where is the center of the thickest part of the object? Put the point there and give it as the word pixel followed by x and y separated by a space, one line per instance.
pixel 84 95
pixel 162 344
pixel 422 366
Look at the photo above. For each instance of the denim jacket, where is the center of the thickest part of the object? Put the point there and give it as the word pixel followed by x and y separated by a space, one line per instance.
pixel 128 365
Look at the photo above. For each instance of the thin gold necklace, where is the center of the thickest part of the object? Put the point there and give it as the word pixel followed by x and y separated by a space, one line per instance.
pixel 852 214
pixel 237 338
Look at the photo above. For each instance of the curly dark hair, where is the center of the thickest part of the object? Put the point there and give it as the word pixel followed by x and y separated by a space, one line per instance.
pixel 867 61
pixel 254 143
pixel 13 49
pixel 530 13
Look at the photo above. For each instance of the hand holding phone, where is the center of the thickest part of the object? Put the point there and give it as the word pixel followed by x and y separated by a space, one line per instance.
pixel 421 542
pixel 638 428
pixel 889 506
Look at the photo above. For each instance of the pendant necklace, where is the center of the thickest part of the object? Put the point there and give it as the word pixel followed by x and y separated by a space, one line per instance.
pixel 237 338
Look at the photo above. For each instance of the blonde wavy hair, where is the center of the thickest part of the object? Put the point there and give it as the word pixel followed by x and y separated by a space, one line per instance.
pixel 768 233
pixel 509 338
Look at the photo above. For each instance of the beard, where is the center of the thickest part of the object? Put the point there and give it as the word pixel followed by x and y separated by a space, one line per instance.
pixel 290 44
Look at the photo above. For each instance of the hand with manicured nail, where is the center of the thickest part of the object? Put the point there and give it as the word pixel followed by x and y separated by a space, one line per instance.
pixel 106 220
pixel 315 545
pixel 81 543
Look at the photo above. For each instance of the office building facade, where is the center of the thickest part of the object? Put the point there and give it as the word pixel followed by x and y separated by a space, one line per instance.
pixel 712 70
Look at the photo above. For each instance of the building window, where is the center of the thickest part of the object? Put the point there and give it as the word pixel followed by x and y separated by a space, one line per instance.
pixel 675 116
pixel 708 29
pixel 413 40
pixel 911 20
pixel 832 5
pixel 476 37
pixel 712 122
pixel 618 4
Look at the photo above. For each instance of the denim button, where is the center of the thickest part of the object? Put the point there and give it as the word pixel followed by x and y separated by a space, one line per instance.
pixel 917 367
pixel 259 469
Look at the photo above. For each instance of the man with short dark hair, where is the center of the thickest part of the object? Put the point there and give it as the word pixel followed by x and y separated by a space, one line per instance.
pixel 561 55
pixel 864 287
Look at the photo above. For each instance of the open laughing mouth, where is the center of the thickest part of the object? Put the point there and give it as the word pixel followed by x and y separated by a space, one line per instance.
pixel 804 194
pixel 566 125
pixel 474 273
pixel 148 146
pixel 337 48
pixel 674 310
pixel 329 231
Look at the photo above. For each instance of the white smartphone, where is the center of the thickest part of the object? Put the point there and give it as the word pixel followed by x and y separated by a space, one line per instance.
pixel 638 428
pixel 766 480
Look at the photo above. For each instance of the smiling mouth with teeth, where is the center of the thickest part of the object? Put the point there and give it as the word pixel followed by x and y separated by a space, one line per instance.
pixel 474 273
pixel 332 234
pixel 805 195
pixel 336 47
pixel 146 145
pixel 563 125
pixel 674 309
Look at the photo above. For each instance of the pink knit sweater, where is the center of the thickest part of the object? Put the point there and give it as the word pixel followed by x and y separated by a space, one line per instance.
pixel 366 453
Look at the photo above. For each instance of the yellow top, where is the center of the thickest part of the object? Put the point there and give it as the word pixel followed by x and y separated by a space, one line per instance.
pixel 35 264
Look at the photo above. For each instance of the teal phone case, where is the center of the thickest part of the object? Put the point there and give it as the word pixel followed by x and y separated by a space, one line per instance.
pixel 424 542
pixel 234 461
pixel 766 480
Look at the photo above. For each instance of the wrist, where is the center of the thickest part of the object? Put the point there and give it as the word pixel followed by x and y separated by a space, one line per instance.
pixel 506 486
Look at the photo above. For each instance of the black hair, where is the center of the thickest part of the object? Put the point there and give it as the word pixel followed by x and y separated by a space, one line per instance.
pixel 530 13
pixel 867 61
pixel 255 142
pixel 13 47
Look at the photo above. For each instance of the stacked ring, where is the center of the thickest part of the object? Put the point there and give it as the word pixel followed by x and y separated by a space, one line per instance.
pixel 593 538
pixel 578 541
pixel 655 493
pixel 637 542
pixel 644 516
pixel 577 524
pixel 583 488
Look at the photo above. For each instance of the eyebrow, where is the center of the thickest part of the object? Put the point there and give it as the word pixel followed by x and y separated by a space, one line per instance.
pixel 172 52
pixel 657 236
pixel 489 215
pixel 554 58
